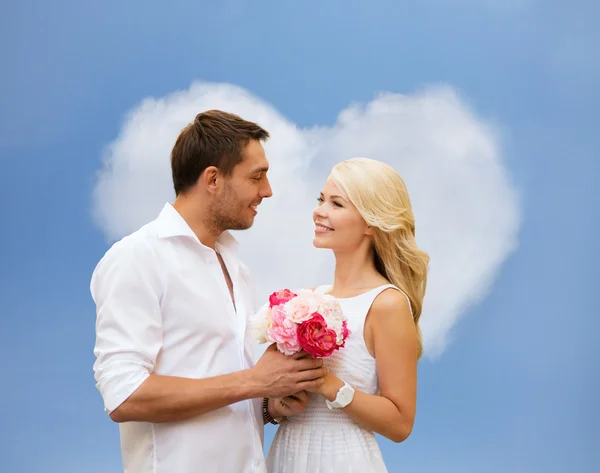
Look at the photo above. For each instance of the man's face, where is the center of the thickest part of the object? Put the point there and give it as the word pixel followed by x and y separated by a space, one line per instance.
pixel 236 205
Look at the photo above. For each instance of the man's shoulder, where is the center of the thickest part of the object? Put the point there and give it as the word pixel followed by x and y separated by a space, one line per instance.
pixel 139 245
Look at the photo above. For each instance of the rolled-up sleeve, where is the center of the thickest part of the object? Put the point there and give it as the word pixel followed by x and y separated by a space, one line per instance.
pixel 126 289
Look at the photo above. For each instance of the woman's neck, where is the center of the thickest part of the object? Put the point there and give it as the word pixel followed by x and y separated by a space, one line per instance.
pixel 355 272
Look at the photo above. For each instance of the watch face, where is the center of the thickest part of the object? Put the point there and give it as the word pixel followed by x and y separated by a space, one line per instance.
pixel 346 395
pixel 343 398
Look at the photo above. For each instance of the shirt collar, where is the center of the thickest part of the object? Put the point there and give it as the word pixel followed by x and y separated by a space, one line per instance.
pixel 170 223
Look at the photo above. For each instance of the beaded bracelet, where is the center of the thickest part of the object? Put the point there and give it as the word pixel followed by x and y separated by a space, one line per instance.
pixel 266 416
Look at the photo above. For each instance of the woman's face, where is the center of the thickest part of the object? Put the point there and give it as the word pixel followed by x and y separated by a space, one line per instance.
pixel 338 225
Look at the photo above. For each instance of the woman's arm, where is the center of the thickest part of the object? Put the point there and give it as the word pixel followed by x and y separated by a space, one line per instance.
pixel 392 413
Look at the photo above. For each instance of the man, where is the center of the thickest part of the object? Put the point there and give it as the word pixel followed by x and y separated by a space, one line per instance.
pixel 174 356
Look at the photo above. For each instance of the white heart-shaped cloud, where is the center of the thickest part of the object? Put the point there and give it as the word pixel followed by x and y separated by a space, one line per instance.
pixel 467 212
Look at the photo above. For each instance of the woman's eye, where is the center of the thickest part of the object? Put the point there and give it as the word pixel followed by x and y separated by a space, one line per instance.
pixel 337 205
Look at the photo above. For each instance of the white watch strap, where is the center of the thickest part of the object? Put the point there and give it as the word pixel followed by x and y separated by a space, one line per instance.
pixel 341 401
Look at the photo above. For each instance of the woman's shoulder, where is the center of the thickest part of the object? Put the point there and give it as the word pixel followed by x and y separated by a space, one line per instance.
pixel 391 302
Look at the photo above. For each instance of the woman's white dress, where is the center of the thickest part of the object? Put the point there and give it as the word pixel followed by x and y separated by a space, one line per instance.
pixel 321 440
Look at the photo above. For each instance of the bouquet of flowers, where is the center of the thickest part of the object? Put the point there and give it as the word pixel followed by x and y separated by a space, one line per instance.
pixel 302 321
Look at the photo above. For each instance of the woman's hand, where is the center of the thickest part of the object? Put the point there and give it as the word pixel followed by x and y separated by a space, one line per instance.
pixel 330 387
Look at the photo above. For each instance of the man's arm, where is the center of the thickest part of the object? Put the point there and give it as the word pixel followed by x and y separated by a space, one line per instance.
pixel 127 290
pixel 169 399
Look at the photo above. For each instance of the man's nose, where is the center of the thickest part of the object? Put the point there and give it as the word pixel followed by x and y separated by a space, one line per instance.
pixel 266 191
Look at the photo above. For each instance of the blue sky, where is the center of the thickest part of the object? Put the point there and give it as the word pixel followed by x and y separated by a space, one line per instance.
pixel 515 391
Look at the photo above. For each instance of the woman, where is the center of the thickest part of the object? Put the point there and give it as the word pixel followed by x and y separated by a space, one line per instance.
pixel 364 216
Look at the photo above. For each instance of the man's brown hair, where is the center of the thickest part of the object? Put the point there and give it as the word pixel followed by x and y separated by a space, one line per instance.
pixel 215 138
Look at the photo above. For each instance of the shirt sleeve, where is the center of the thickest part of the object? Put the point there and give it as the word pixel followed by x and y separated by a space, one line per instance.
pixel 126 289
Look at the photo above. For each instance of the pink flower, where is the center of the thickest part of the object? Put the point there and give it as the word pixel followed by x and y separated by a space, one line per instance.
pixel 301 320
pixel 345 330
pixel 281 297
pixel 334 317
pixel 283 331
pixel 345 334
pixel 299 309
pixel 278 314
pixel 315 338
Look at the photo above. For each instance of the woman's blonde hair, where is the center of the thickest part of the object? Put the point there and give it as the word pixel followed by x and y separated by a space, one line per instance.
pixel 380 195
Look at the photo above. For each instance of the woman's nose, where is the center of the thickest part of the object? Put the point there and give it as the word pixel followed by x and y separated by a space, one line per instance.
pixel 320 210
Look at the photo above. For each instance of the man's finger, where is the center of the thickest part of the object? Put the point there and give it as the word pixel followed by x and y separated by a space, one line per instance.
pixel 291 400
pixel 308 375
pixel 310 364
pixel 311 385
pixel 302 354
pixel 294 406
pixel 301 396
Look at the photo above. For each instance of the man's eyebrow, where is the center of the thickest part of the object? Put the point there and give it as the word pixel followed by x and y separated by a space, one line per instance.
pixel 259 170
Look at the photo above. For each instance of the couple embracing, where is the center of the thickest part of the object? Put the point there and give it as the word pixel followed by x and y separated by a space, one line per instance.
pixel 174 351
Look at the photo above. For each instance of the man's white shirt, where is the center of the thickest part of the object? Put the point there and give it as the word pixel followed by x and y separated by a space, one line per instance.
pixel 163 307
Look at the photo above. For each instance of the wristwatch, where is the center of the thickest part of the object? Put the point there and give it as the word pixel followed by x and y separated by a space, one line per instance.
pixel 343 398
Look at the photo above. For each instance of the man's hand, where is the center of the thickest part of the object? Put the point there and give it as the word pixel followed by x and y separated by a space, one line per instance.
pixel 288 406
pixel 276 375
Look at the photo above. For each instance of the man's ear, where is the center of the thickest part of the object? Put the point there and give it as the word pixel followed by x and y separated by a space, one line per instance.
pixel 209 179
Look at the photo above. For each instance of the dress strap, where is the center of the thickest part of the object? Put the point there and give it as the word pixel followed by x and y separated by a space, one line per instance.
pixel 378 290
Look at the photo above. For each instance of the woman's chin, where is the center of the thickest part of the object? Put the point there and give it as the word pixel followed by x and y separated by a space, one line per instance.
pixel 319 243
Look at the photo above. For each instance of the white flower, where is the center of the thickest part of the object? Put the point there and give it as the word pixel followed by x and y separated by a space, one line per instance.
pixel 260 322
pixel 331 311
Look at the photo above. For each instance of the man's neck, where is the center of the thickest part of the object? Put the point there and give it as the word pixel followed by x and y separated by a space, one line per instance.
pixel 195 217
